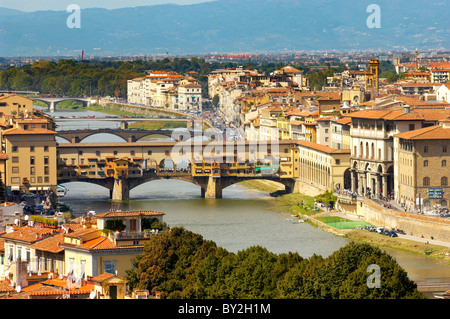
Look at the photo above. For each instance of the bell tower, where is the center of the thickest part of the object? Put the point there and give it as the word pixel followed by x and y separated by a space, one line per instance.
pixel 372 77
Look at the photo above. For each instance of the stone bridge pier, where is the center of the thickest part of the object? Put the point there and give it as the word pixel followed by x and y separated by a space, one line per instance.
pixel 210 187
pixel 120 190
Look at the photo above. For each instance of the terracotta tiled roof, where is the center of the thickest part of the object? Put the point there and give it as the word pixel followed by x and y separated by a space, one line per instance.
pixel 426 114
pixel 17 131
pixel 370 114
pixel 439 64
pixel 290 69
pixel 129 214
pixel 420 84
pixel 5 96
pixel 5 287
pixel 45 290
pixel 56 282
pixel 436 132
pixel 101 278
pixel 322 148
pixel 81 232
pixel 30 234
pixel 447 85
pixel 98 244
pixel 324 119
pixel 344 120
pixel 51 244
pixel 32 287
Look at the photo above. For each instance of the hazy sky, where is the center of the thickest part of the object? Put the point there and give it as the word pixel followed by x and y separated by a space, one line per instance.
pixel 60 5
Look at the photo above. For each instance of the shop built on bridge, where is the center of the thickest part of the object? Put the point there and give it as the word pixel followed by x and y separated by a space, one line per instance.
pixel 211 165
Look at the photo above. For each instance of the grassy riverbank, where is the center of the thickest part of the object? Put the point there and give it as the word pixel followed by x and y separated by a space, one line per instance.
pixel 303 206
pixel 111 108
pixel 155 125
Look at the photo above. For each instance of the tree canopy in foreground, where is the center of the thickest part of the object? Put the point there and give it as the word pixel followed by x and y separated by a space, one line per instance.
pixel 182 264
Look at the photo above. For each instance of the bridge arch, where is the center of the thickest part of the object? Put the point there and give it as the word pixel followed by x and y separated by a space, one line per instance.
pixel 108 136
pixel 158 178
pixel 150 164
pixel 62 139
pixel 156 135
pixel 53 101
pixel 166 164
pixel 96 188
pixel 77 136
pixel 283 184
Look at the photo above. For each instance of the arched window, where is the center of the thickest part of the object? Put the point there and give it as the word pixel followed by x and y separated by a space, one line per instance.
pixel 425 163
pixel 444 181
pixel 426 181
pixel 427 203
pixel 444 163
pixel 443 203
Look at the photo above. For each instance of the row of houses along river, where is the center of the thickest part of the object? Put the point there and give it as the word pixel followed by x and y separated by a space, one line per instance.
pixel 240 219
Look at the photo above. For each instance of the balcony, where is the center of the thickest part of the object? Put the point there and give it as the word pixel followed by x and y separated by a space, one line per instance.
pixel 124 235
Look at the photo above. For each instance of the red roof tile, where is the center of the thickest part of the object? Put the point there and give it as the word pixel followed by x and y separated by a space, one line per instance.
pixel 30 234
pixel 51 244
pixel 436 132
pixel 102 277
pixel 129 214
pixel 98 244
pixel 5 286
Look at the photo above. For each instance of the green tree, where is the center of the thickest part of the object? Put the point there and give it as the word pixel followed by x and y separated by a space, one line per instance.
pixel 327 198
pixel 169 260
pixel 181 264
pixel 344 275
pixel 215 100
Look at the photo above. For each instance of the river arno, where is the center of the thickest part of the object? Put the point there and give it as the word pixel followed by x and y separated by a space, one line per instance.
pixel 241 219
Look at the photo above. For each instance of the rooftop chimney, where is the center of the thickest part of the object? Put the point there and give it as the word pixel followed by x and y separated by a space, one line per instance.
pixel 445 123
pixel 406 108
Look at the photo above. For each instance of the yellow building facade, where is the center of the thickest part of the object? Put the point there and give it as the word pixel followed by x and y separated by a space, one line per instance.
pixel 12 105
pixel 95 249
pixel 31 147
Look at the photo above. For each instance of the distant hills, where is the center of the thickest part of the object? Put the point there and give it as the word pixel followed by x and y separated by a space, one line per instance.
pixel 229 26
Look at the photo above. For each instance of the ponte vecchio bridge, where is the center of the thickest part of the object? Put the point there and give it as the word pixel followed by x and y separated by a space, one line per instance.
pixel 211 165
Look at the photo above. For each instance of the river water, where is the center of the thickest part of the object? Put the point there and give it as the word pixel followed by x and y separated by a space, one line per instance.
pixel 242 218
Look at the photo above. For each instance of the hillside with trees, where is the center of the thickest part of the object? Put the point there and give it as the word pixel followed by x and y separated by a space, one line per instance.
pixel 76 78
pixel 181 264
pixel 95 78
